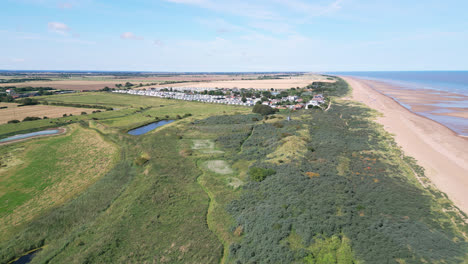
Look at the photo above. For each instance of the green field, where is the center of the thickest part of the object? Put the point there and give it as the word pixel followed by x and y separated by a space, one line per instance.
pixel 225 185
pixel 44 173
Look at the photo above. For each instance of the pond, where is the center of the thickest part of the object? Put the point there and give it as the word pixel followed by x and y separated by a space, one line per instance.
pixel 26 258
pixel 147 128
pixel 28 135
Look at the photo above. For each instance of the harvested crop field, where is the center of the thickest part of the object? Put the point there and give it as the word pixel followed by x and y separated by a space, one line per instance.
pixel 93 83
pixel 13 112
pixel 76 85
pixel 286 83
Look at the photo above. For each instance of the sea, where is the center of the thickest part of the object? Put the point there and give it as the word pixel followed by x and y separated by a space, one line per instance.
pixel 455 82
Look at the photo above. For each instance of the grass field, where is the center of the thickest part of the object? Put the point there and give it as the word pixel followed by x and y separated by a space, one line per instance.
pixel 38 175
pixel 117 218
pixel 19 113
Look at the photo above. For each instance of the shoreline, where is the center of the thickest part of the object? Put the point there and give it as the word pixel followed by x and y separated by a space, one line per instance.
pixel 438 106
pixel 408 110
pixel 438 149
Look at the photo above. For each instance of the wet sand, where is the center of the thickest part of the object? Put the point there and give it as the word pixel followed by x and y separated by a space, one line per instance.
pixel 442 152
pixel 449 109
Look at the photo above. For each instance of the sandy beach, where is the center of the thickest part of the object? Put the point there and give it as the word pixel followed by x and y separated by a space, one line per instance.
pixel 442 152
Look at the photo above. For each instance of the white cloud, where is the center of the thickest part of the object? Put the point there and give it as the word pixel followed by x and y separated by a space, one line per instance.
pixel 65 5
pixel 158 43
pixel 309 8
pixel 239 7
pixel 58 27
pixel 130 35
pixel 220 25
pixel 17 60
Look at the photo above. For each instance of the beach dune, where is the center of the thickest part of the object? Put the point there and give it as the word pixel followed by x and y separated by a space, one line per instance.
pixel 442 153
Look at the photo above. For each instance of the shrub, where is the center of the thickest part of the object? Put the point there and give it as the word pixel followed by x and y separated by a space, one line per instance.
pixel 278 125
pixel 31 118
pixel 142 159
pixel 14 121
pixel 259 174
pixel 84 113
pixel 29 101
pixel 263 109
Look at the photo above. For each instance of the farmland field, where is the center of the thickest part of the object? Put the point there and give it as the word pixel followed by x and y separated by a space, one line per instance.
pixel 19 113
pixel 90 82
pixel 283 83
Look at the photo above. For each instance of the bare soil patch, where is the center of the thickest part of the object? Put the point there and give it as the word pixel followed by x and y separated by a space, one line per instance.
pixel 218 166
pixel 205 146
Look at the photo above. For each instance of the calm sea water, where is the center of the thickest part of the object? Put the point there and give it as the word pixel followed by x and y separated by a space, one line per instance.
pixel 448 81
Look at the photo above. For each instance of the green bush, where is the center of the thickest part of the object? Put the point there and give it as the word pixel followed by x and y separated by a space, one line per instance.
pixel 259 174
pixel 31 118
pixel 263 109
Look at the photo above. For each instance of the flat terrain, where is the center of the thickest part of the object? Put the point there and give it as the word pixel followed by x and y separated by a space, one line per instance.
pixel 45 173
pixel 98 82
pixel 19 113
pixel 76 85
pixel 283 83
pixel 438 149
pixel 225 185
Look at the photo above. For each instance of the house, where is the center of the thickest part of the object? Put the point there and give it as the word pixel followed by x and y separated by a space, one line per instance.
pixel 10 92
pixel 311 104
pixel 297 106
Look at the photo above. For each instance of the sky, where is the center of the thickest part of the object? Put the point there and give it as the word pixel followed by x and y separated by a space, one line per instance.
pixel 233 35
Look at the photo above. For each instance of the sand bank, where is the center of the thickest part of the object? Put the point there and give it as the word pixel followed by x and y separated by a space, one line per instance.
pixel 438 149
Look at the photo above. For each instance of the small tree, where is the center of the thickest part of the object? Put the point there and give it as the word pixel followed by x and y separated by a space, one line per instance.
pixel 263 109
pixel 259 174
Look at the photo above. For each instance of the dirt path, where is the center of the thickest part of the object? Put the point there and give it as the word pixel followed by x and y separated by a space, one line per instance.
pixel 442 153
pixel 201 180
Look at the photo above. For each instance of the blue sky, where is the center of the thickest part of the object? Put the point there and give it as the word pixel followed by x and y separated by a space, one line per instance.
pixel 233 35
